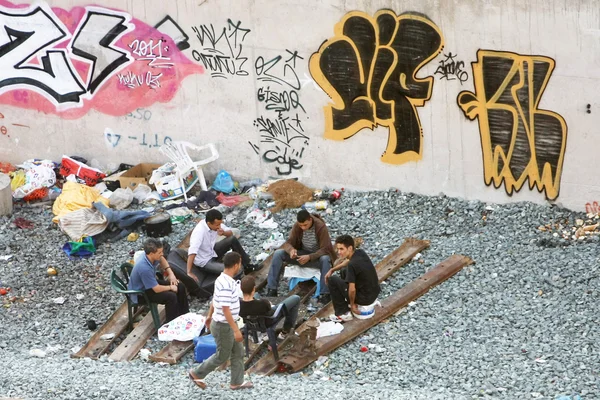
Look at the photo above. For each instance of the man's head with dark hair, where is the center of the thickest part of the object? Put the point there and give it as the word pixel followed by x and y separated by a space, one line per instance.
pixel 214 219
pixel 247 285
pixel 153 249
pixel 344 245
pixel 213 215
pixel 231 259
pixel 305 220
pixel 151 245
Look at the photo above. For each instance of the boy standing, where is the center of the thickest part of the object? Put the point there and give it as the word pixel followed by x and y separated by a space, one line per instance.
pixel 221 320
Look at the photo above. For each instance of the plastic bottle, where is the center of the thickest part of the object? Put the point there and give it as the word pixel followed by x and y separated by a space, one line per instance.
pixel 316 205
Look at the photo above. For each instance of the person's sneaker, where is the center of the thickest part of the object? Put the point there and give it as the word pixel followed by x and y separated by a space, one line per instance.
pixel 325 298
pixel 252 267
pixel 272 293
pixel 283 335
pixel 341 318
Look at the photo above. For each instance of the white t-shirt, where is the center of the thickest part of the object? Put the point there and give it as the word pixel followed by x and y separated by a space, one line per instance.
pixel 202 243
pixel 227 293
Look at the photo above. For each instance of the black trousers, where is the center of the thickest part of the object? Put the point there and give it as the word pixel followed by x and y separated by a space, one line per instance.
pixel 176 304
pixel 231 243
pixel 338 290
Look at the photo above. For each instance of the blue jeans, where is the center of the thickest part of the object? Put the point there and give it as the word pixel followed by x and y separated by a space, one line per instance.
pixel 281 256
pixel 292 304
pixel 123 219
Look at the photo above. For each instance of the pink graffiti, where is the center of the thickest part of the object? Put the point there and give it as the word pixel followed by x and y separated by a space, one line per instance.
pixel 147 54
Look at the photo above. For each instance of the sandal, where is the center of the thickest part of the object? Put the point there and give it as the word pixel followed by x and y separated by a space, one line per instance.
pixel 199 382
pixel 245 385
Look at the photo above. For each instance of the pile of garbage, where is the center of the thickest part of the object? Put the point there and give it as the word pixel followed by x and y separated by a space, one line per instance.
pixel 92 206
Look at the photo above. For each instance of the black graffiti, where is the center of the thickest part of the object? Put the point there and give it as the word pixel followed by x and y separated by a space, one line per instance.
pixel 369 69
pixel 287 142
pixel 169 27
pixel 100 29
pixel 279 101
pixel 222 50
pixel 39 30
pixel 450 69
pixel 272 71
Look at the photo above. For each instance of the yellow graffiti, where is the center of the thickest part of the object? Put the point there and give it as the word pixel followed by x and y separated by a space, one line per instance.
pixel 380 81
pixel 519 141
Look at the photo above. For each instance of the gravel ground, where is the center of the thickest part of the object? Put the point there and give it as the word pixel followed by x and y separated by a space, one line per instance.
pixel 520 323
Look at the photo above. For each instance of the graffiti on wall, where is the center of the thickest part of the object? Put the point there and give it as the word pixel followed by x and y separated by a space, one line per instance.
pixel 222 49
pixel 283 140
pixel 145 139
pixel 451 69
pixel 369 70
pixel 592 208
pixel 519 140
pixel 68 62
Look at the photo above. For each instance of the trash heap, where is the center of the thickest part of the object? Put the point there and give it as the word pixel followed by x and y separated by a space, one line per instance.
pixel 92 206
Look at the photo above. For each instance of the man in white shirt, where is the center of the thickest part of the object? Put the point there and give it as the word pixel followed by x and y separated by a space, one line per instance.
pixel 205 252
pixel 221 320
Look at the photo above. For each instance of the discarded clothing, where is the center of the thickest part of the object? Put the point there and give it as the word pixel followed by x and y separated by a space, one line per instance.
pixel 85 248
pixel 74 197
pixel 83 222
pixel 123 219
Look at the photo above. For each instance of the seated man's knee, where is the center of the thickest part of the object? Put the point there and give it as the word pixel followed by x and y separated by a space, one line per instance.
pixel 325 261
pixel 279 254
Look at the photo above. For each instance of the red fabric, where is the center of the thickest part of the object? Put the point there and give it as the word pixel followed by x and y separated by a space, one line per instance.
pixel 37 194
pixel 89 175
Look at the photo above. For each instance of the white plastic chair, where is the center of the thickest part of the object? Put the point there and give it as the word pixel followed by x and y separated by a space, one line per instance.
pixel 178 153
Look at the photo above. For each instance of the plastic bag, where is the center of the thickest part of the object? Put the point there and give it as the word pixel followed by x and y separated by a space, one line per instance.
pixel 232 201
pixel 223 182
pixel 85 174
pixel 121 198
pixel 275 241
pixel 141 192
pixel 183 328
pixel 38 174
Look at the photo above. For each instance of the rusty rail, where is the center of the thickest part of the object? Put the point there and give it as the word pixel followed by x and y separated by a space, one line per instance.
pixel 443 271
pixel 390 264
pixel 117 323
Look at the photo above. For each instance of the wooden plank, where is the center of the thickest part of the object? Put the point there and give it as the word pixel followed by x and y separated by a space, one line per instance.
pixel 443 271
pixel 117 323
pixel 172 352
pixel 394 261
pixel 137 338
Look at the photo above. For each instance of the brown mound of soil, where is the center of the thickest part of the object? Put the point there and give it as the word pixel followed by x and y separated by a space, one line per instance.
pixel 289 194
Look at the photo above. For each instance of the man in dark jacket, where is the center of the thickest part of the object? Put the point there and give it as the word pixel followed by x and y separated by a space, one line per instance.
pixel 309 245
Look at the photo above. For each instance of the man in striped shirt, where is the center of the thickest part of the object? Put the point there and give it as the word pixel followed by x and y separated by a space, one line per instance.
pixel 221 320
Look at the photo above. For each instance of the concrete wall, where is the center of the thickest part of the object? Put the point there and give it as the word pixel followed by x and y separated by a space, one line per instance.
pixel 475 99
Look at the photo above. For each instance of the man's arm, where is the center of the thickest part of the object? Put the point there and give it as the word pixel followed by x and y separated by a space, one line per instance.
pixel 339 264
pixel 288 246
pixel 237 335
pixel 190 264
pixel 164 288
pixel 211 310
pixel 166 269
pixel 324 243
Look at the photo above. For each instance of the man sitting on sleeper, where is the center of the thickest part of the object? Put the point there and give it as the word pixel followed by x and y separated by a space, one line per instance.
pixel 308 245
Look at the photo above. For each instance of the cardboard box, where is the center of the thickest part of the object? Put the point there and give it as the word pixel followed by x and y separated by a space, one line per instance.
pixel 140 173
pixel 168 187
